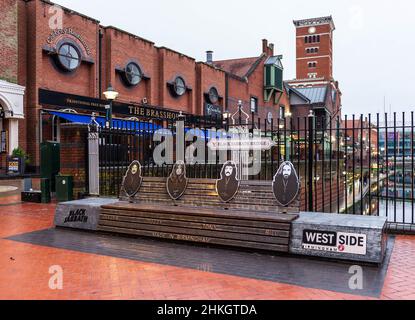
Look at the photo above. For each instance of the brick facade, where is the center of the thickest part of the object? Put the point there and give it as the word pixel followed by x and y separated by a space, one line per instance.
pixel 74 155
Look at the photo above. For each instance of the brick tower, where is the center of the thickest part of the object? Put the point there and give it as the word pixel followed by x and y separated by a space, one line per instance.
pixel 315 48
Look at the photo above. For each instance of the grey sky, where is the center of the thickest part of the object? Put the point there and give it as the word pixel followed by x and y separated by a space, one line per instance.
pixel 374 40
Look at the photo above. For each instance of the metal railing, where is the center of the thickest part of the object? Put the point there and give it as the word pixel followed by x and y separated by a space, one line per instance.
pixel 358 165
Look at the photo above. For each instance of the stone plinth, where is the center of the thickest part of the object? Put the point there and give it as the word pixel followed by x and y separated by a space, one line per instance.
pixel 81 214
pixel 341 237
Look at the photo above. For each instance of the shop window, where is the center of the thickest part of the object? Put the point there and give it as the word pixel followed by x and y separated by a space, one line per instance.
pixel 254 105
pixel 68 57
pixel 133 74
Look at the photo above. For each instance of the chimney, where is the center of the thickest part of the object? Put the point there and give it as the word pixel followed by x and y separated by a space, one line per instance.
pixel 271 49
pixel 209 57
pixel 265 46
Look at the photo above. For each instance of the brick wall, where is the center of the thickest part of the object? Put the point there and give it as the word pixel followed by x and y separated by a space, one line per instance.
pixel 74 155
pixel 325 63
pixel 8 40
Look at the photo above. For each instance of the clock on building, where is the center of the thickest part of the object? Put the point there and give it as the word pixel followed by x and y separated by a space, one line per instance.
pixel 312 30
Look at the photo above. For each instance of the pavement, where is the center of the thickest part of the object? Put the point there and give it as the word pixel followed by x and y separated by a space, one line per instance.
pixel 40 262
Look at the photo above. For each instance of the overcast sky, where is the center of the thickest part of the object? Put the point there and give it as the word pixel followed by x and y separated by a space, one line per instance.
pixel 374 43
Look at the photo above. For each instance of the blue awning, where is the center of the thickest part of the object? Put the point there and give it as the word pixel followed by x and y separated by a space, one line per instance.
pixel 116 123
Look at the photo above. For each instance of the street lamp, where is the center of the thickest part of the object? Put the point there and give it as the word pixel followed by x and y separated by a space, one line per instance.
pixel 110 95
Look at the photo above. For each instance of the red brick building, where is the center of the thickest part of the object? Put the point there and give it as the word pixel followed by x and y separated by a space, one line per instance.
pixel 63 60
pixel 315 87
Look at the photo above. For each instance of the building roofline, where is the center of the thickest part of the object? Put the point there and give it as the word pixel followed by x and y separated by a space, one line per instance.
pixel 249 72
pixel 315 22
pixel 176 52
pixel 128 33
pixel 67 10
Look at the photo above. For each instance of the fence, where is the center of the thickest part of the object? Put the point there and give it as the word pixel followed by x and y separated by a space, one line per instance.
pixel 356 165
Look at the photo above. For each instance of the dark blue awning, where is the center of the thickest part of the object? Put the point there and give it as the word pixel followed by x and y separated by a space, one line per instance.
pixel 116 123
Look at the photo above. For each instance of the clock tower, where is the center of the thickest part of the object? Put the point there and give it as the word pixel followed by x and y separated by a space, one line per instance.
pixel 315 48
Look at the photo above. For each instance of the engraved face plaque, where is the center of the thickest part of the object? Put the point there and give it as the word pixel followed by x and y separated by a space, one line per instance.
pixel 286 184
pixel 228 185
pixel 177 182
pixel 132 180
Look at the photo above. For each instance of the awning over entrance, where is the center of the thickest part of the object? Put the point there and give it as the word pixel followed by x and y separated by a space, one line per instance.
pixel 116 123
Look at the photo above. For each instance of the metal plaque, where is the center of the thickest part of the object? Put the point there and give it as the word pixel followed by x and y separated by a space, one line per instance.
pixel 133 179
pixel 177 182
pixel 228 185
pixel 286 184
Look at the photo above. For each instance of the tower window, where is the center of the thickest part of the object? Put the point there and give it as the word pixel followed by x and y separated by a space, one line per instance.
pixel 312 64
pixel 312 39
pixel 312 50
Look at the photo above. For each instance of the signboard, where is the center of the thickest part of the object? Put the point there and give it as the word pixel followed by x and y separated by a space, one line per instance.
pixel 339 242
pixel 13 165
pixel 63 100
pixel 213 110
pixel 248 144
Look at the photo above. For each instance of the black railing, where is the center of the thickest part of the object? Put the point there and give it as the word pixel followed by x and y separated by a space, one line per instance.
pixel 356 165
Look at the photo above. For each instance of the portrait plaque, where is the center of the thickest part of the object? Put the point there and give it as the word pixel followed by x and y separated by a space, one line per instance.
pixel 286 184
pixel 177 182
pixel 132 180
pixel 228 185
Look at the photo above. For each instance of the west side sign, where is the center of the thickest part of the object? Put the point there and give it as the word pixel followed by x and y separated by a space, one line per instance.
pixel 340 242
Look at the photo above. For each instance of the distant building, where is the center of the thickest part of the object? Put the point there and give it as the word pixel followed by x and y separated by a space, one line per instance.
pixel 258 83
pixel 319 91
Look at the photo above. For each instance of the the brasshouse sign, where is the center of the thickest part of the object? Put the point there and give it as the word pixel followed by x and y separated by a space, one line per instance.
pixel 62 100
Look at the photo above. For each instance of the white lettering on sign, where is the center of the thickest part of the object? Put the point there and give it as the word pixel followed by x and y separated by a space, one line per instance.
pixel 254 144
pixel 348 243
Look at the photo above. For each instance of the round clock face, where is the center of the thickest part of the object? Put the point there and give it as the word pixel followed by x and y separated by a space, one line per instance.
pixel 312 30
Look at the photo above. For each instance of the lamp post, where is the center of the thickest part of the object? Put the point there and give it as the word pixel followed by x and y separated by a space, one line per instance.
pixel 110 94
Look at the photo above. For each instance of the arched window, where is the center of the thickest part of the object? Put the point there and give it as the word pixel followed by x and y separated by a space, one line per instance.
pixel 213 95
pixel 179 86
pixel 69 57
pixel 133 74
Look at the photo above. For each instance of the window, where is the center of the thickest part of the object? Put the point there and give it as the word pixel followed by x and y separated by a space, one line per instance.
pixel 133 74
pixel 282 112
pixel 312 50
pixel 213 95
pixel 312 64
pixel 312 39
pixel 179 86
pixel 254 105
pixel 69 57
